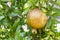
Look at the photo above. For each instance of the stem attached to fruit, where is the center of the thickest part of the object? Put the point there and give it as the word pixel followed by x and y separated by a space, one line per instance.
pixel 39 34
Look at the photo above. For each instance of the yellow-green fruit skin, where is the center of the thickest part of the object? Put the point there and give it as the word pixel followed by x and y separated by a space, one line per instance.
pixel 36 18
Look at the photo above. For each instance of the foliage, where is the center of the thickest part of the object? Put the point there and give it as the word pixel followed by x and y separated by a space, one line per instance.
pixel 13 25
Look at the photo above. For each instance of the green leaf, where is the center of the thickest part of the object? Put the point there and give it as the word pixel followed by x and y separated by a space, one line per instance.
pixel 58 2
pixel 48 25
pixel 5 0
pixel 57 34
pixel 18 36
pixel 10 38
pixel 16 23
pixel 1 17
pixel 0 30
pixel 33 3
pixel 57 12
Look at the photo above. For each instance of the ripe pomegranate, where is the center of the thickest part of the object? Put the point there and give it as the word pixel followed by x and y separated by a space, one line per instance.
pixel 36 18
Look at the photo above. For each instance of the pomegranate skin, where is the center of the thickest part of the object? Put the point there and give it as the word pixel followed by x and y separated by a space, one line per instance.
pixel 36 18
